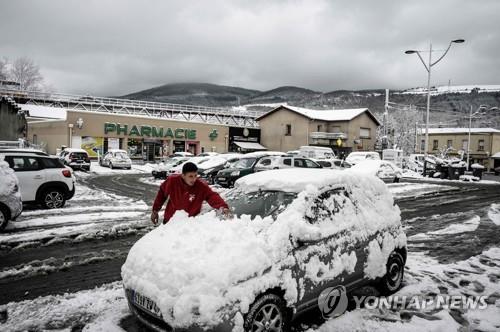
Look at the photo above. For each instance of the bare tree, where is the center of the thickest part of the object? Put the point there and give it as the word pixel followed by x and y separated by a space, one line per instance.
pixel 26 73
pixel 3 69
pixel 401 127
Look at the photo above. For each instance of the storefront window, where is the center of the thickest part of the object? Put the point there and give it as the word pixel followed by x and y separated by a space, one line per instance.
pixel 179 146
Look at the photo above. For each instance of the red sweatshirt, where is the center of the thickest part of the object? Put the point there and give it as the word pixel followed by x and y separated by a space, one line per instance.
pixel 183 197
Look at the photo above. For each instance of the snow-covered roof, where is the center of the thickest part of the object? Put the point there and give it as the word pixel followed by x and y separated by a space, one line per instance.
pixel 294 179
pixel 46 112
pixel 324 115
pixel 461 130
pixel 496 155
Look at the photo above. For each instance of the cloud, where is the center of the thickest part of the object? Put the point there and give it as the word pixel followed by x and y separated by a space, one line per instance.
pixel 117 47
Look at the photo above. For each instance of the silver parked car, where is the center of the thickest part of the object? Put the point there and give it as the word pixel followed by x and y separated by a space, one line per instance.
pixel 116 159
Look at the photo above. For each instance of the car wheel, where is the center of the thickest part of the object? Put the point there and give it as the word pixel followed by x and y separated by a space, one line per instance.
pixel 396 180
pixel 53 199
pixel 268 313
pixel 110 165
pixel 4 218
pixel 393 278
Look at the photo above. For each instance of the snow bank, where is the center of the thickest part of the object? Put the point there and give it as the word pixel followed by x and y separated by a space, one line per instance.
pixel 99 309
pixel 494 214
pixel 8 179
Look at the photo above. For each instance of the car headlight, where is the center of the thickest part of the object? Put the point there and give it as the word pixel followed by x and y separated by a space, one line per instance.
pixel 235 173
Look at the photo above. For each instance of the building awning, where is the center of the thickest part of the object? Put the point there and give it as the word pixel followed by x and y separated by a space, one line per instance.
pixel 250 146
pixel 496 155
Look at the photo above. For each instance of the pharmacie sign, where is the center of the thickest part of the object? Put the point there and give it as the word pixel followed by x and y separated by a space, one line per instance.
pixel 148 131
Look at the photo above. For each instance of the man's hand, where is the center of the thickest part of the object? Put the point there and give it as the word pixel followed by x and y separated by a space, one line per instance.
pixel 227 213
pixel 154 217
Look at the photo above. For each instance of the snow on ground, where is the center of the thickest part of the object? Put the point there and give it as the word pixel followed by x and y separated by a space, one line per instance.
pixel 476 276
pixel 407 190
pixel 102 308
pixel 90 213
pixel 494 214
pixel 98 309
pixel 95 168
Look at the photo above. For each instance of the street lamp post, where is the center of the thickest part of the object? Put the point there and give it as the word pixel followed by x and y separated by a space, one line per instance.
pixel 428 67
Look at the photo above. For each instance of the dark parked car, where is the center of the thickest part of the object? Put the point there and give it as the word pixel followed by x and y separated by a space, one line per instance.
pixel 246 165
pixel 279 258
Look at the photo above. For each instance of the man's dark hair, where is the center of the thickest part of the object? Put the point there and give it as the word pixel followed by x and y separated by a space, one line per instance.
pixel 189 167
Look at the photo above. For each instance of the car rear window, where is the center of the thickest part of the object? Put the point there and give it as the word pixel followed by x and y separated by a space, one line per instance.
pixel 78 155
pixel 51 163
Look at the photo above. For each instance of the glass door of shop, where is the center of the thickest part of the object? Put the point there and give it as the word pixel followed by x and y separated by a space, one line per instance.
pixel 151 151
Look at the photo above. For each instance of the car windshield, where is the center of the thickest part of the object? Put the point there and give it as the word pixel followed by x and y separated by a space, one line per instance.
pixel 245 163
pixel 260 203
pixel 121 155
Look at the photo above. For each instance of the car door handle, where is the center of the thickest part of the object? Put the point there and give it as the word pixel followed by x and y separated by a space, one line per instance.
pixel 37 177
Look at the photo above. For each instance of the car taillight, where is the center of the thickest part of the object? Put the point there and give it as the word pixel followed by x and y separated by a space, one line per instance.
pixel 66 173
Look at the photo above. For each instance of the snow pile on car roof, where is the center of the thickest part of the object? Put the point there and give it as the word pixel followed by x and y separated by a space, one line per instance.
pixel 367 166
pixel 202 270
pixel 8 179
pixel 295 179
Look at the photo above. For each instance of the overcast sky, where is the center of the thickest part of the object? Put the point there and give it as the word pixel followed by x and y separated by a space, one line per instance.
pixel 116 47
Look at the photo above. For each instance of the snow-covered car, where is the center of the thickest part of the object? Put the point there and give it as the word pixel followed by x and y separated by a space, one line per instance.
pixel 182 154
pixel 383 169
pixel 208 154
pixel 42 179
pixel 209 169
pixel 11 204
pixel 355 157
pixel 246 165
pixel 75 158
pixel 296 233
pixel 195 160
pixel 116 158
pixel 280 162
pixel 160 171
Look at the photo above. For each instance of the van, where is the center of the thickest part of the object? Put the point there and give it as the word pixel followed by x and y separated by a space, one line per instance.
pixel 316 152
pixel 393 155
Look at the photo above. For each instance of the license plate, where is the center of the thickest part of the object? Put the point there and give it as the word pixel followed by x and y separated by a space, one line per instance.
pixel 221 179
pixel 146 303
pixel 79 161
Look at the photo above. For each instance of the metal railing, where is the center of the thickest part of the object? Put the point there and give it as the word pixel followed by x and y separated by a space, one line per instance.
pixel 204 114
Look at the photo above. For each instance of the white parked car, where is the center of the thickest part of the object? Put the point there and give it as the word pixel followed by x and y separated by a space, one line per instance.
pixel 42 179
pixel 279 162
pixel 195 160
pixel 208 154
pixel 115 158
pixel 75 158
pixel 296 233
pixel 183 154
pixel 161 170
pixel 355 157
pixel 383 169
pixel 11 204
pixel 316 152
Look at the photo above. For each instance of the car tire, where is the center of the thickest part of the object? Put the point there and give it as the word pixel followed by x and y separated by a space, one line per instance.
pixel 396 180
pixel 4 217
pixel 53 198
pixel 391 282
pixel 110 165
pixel 267 311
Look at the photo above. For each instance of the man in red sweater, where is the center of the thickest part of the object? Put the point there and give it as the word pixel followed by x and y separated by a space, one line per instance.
pixel 185 192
